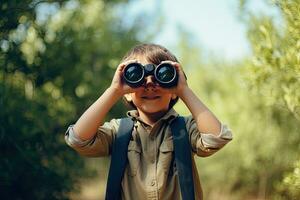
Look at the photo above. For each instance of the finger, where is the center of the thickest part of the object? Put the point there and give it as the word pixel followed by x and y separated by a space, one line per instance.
pixel 177 66
pixel 167 61
pixel 127 62
pixel 170 62
pixel 179 69
pixel 174 64
pixel 123 64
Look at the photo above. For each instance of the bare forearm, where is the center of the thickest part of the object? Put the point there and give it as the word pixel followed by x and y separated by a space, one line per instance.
pixel 206 120
pixel 93 117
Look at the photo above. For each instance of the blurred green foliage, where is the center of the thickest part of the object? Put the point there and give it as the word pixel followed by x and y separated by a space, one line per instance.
pixel 265 140
pixel 53 65
pixel 275 68
pixel 274 71
pixel 291 184
pixel 259 99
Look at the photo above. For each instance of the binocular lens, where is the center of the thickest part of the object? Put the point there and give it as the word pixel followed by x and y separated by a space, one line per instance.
pixel 134 73
pixel 165 73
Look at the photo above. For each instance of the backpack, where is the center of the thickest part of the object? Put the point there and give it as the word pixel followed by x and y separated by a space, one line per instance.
pixel 119 159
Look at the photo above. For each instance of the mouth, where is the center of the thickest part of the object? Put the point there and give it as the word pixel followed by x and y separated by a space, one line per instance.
pixel 151 97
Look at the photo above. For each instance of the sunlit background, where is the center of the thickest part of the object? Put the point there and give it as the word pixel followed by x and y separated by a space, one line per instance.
pixel 241 57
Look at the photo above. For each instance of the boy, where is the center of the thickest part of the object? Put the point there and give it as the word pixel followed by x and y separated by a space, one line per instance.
pixel 151 171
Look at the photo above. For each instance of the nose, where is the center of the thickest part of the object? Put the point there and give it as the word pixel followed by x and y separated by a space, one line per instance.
pixel 150 81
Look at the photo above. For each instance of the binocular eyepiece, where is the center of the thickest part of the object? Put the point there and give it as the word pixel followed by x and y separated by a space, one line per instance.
pixel 165 74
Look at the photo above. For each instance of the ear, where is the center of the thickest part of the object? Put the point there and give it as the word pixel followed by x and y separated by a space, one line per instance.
pixel 174 96
pixel 128 97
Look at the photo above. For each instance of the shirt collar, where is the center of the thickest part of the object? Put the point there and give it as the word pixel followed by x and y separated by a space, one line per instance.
pixel 171 114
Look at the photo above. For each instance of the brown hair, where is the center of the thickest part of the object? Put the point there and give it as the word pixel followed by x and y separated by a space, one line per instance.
pixel 155 54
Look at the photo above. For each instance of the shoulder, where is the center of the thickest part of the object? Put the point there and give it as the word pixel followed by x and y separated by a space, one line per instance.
pixel 190 122
pixel 188 119
pixel 113 124
pixel 116 122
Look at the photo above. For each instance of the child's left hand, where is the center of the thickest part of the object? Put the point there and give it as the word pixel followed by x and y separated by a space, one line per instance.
pixel 182 83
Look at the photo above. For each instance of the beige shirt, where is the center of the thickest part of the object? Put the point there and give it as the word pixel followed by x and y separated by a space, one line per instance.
pixel 151 171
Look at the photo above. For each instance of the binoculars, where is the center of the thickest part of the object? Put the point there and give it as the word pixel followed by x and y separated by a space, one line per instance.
pixel 165 74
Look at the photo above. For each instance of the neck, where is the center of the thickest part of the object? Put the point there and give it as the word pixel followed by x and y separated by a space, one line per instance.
pixel 151 118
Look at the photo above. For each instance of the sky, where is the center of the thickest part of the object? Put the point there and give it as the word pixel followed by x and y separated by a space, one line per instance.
pixel 214 24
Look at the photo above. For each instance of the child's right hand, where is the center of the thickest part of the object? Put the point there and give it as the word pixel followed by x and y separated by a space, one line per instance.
pixel 118 84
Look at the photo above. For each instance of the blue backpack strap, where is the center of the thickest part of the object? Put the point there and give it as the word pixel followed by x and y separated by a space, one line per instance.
pixel 183 158
pixel 118 159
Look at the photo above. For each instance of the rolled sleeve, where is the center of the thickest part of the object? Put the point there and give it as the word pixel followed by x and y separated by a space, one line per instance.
pixel 206 144
pixel 99 145
pixel 72 139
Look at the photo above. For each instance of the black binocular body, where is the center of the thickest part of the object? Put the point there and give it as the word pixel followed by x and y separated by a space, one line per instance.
pixel 165 74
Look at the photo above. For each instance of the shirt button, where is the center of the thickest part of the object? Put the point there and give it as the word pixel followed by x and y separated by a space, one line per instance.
pixel 152 183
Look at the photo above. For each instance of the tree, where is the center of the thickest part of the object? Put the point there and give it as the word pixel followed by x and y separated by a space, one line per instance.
pixel 274 71
pixel 265 138
pixel 51 70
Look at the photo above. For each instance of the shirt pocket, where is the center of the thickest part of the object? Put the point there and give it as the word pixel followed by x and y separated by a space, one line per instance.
pixel 166 150
pixel 134 158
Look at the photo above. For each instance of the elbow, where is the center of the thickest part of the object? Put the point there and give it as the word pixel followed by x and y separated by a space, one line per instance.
pixel 206 152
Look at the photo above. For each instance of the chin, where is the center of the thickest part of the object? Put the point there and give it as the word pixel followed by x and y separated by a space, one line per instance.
pixel 154 110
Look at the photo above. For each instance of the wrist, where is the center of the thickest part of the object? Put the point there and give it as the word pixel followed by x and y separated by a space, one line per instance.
pixel 115 91
pixel 183 92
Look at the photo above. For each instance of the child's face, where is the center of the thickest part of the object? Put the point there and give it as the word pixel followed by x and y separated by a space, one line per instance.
pixel 151 99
